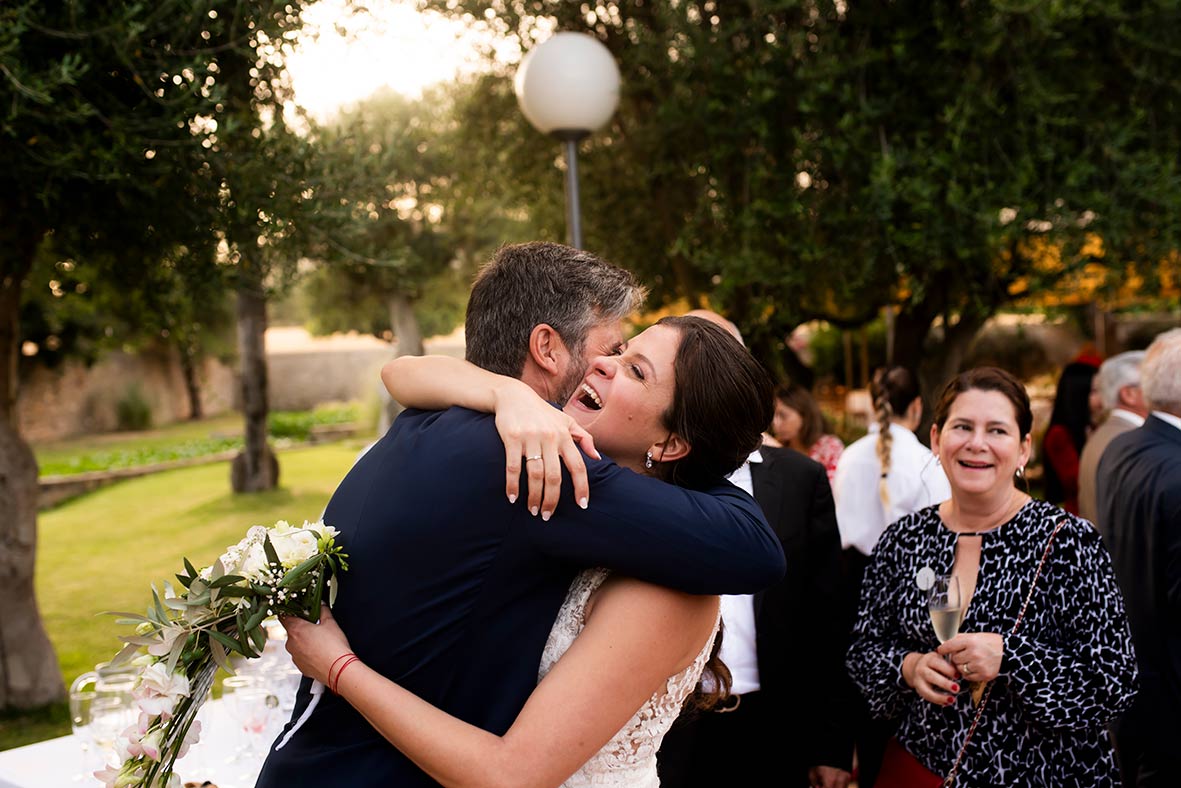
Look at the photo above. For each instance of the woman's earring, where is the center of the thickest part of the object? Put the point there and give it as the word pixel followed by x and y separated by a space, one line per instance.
pixel 648 460
pixel 1021 472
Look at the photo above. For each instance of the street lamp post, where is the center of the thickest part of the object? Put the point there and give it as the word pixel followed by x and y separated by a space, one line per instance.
pixel 568 87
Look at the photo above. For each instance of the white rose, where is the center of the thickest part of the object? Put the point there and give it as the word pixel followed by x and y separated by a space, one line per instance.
pixel 159 690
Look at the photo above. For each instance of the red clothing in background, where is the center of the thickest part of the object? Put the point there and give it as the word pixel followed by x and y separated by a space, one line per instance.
pixel 1060 452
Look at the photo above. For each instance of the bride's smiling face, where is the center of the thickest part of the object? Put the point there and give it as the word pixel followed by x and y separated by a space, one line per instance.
pixel 623 397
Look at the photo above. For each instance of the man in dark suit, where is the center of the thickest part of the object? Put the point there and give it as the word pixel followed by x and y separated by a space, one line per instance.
pixel 785 647
pixel 1139 495
pixel 452 588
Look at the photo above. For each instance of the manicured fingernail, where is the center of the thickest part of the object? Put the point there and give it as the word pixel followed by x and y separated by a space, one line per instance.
pixel 582 502
pixel 545 516
pixel 950 701
pixel 955 687
pixel 512 499
pixel 533 511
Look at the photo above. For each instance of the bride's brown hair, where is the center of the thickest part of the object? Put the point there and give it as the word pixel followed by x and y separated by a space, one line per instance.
pixel 722 402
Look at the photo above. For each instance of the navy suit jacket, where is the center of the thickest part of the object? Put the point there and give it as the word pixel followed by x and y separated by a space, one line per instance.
pixel 1138 488
pixel 451 590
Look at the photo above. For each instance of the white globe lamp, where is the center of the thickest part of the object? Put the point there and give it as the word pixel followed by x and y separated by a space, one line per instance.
pixel 568 86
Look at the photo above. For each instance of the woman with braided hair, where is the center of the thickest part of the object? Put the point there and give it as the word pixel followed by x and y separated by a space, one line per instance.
pixel 880 478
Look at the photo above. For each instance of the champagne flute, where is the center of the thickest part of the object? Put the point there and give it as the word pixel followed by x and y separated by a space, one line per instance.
pixel 946 606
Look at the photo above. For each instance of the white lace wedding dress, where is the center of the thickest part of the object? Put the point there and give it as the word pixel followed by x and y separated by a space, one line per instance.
pixel 629 759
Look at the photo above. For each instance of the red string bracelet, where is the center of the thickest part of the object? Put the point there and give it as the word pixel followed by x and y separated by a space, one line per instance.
pixel 336 686
pixel 332 667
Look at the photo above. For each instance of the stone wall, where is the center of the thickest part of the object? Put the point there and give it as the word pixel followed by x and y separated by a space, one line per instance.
pixel 303 372
pixel 76 399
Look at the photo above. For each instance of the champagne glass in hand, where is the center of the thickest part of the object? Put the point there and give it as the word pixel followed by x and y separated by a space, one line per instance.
pixel 946 607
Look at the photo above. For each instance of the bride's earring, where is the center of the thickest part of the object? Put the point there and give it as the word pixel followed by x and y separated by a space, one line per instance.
pixel 648 460
pixel 1021 472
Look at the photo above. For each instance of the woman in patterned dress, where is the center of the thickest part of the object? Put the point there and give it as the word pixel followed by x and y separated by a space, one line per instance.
pixel 1057 681
pixel 683 401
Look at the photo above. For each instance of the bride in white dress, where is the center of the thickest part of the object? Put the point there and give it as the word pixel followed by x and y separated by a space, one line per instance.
pixel 682 401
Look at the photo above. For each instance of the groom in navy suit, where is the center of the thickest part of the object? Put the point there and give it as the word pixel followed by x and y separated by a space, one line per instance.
pixel 1138 489
pixel 452 588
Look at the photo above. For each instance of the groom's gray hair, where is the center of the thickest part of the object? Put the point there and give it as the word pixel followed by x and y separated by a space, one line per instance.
pixel 526 284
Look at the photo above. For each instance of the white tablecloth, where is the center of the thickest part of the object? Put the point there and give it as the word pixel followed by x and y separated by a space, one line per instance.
pixel 58 763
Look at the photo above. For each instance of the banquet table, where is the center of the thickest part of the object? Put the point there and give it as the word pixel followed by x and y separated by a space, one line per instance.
pixel 58 763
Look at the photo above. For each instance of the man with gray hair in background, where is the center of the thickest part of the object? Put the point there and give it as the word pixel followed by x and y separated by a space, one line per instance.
pixel 1139 497
pixel 1118 384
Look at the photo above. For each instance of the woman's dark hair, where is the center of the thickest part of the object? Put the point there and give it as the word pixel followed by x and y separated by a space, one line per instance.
pixel 987 379
pixel 1072 410
pixel 721 404
pixel 892 390
pixel 802 402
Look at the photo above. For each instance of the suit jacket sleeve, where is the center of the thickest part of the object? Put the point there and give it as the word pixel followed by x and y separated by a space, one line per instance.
pixel 713 542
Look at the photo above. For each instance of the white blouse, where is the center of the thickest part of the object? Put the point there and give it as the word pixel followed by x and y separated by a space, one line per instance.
pixel 915 480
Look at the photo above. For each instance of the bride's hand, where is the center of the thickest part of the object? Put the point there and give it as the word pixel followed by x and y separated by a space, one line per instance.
pixel 542 438
pixel 314 647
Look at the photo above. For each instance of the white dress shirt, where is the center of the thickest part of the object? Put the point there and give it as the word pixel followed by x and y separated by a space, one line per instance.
pixel 915 480
pixel 1168 417
pixel 738 614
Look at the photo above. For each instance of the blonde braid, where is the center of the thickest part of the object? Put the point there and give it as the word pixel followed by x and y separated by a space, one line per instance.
pixel 883 412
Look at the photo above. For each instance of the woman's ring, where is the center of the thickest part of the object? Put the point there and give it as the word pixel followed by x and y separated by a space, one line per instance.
pixel 965 669
pixel 534 457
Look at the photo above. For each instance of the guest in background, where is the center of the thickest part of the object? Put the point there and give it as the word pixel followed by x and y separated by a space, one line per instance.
pixel 1060 668
pixel 1118 386
pixel 880 477
pixel 1139 498
pixel 775 678
pixel 1071 422
pixel 800 424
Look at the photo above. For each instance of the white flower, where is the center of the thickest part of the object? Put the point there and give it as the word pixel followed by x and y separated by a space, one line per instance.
pixel 253 562
pixel 192 736
pixel 293 545
pixel 168 637
pixel 150 744
pixel 159 690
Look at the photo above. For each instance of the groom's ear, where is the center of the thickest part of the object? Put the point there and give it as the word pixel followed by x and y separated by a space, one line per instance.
pixel 674 447
pixel 546 348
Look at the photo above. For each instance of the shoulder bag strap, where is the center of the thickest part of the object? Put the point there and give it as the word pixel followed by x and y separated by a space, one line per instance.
pixel 988 690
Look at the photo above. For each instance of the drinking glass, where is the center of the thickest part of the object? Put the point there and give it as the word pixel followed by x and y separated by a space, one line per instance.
pixel 81 703
pixel 255 707
pixel 946 606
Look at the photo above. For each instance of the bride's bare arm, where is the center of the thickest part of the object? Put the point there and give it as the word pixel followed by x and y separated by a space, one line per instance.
pixel 636 637
pixel 528 425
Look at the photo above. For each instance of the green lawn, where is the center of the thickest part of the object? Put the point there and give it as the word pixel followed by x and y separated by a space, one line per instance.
pixel 62 456
pixel 103 551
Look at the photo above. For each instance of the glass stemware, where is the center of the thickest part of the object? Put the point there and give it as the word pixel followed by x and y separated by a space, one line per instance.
pixel 946 606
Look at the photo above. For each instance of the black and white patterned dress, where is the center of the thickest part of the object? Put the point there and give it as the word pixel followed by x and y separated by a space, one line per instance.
pixel 1067 671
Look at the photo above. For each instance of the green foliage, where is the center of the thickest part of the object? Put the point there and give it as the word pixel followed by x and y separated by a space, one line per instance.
pixel 796 160
pixel 134 457
pixel 133 411
pixel 298 425
pixel 182 442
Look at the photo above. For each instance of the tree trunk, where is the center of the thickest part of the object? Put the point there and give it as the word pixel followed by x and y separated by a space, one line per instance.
pixel 29 674
pixel 405 325
pixel 409 337
pixel 188 368
pixel 255 469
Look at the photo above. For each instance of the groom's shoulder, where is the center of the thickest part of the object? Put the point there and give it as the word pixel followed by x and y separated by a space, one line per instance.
pixel 446 430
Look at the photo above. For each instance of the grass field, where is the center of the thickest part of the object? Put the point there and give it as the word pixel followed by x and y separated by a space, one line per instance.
pixel 103 551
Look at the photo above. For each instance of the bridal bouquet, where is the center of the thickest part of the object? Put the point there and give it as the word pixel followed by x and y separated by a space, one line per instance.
pixel 189 633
